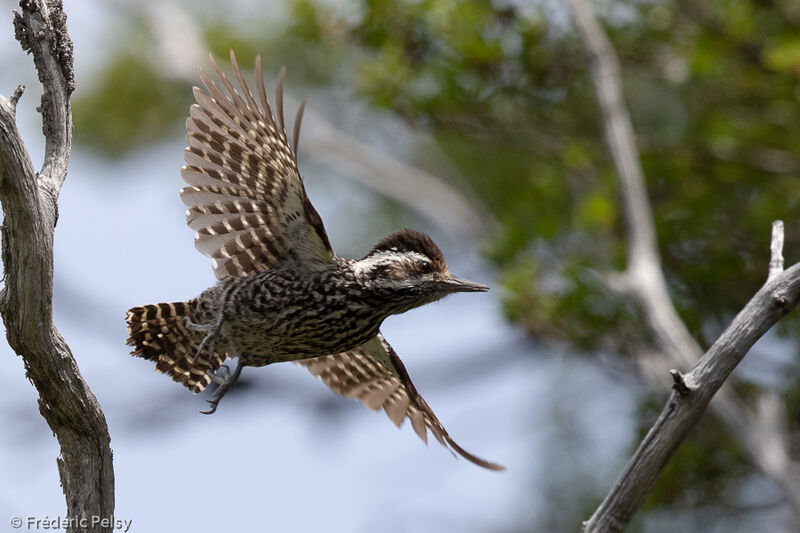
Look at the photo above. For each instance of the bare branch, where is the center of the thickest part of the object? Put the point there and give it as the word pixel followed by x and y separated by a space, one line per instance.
pixel 619 135
pixel 16 95
pixel 645 280
pixel 42 30
pixel 682 411
pixel 679 382
pixel 29 206
pixel 776 250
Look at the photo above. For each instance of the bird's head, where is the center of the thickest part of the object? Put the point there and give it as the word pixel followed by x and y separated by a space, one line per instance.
pixel 407 269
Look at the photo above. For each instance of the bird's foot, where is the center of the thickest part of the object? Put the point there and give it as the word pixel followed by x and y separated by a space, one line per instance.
pixel 221 376
pixel 225 382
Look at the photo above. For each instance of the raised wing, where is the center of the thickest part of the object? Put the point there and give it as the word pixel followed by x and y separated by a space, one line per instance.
pixel 374 373
pixel 246 199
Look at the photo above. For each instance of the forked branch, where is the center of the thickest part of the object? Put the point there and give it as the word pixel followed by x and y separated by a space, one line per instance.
pixel 689 399
pixel 29 206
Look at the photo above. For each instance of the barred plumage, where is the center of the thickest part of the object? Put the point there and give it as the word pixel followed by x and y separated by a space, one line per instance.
pixel 374 373
pixel 283 294
pixel 245 196
pixel 159 334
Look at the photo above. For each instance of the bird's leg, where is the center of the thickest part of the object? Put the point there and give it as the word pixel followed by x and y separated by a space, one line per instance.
pixel 224 384
pixel 221 375
pixel 211 331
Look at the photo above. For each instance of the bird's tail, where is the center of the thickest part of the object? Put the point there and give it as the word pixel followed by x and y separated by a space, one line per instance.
pixel 158 333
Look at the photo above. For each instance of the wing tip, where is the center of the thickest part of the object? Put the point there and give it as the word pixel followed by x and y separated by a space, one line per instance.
pixel 474 459
pixel 297 121
pixel 279 98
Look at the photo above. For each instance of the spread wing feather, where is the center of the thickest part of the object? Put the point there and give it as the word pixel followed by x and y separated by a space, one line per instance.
pixel 245 197
pixel 374 373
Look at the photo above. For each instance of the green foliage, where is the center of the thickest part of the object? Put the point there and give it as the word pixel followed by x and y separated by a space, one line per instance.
pixel 222 38
pixel 129 106
pixel 133 102
pixel 507 96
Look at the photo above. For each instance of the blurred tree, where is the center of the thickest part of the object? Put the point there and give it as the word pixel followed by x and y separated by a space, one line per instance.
pixel 507 96
pixel 503 87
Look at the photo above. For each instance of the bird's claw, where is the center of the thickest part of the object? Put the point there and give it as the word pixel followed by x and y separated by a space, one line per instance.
pixel 224 384
pixel 223 388
pixel 213 409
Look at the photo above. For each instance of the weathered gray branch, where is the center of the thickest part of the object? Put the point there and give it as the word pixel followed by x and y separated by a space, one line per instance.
pixel 644 279
pixel 776 250
pixel 687 403
pixel 29 202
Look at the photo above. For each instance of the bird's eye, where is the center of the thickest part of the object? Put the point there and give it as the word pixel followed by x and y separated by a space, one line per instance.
pixel 424 267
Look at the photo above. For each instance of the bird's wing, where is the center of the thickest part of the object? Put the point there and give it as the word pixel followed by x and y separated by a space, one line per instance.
pixel 245 198
pixel 374 373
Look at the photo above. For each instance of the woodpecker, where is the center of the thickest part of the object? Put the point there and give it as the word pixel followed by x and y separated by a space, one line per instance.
pixel 282 293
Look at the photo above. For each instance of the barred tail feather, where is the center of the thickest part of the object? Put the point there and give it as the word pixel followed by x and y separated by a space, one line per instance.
pixel 158 333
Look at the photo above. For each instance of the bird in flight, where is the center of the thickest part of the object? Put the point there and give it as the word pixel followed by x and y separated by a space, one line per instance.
pixel 282 293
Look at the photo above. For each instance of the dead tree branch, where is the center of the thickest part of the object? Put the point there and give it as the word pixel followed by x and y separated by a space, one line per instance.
pixel 29 201
pixel 776 250
pixel 689 400
pixel 644 280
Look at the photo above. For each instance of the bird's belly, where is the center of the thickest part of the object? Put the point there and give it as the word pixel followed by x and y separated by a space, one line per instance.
pixel 306 335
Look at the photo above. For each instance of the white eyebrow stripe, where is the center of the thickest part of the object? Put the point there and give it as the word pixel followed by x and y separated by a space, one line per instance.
pixel 387 258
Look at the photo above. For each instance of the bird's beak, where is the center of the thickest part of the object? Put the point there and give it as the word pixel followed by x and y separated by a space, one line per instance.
pixel 462 285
